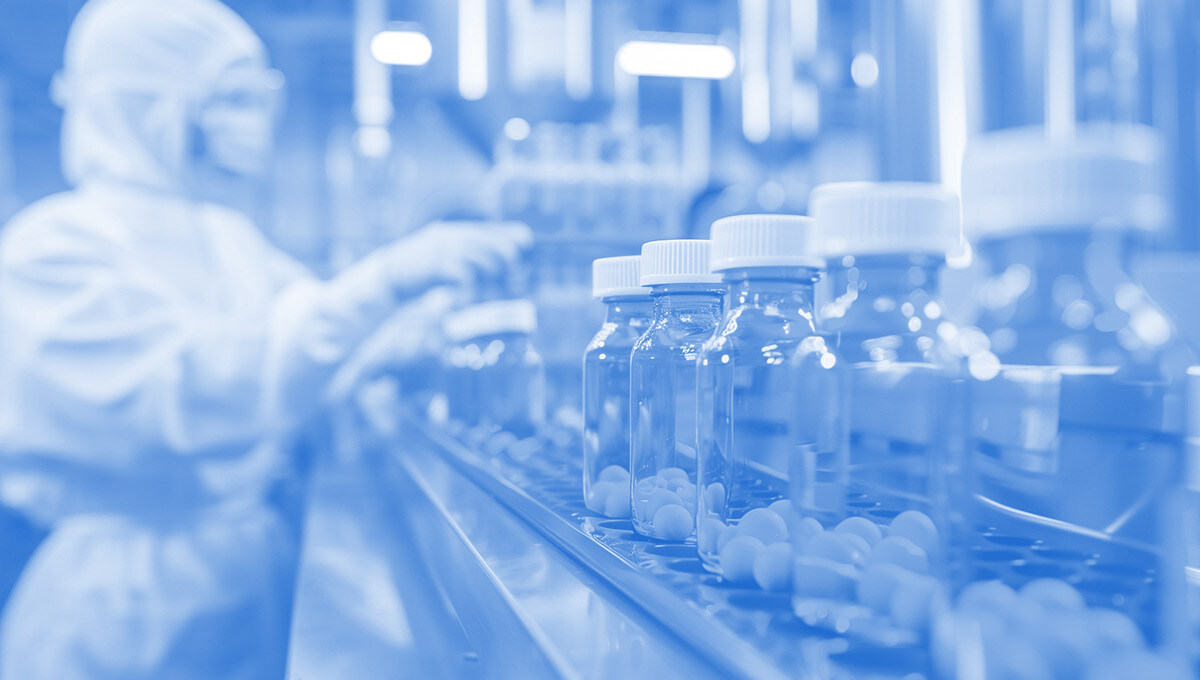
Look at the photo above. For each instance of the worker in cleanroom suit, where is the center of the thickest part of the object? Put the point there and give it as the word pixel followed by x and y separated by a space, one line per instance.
pixel 156 349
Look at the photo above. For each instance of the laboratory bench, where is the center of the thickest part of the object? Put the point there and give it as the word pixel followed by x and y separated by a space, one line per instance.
pixel 432 554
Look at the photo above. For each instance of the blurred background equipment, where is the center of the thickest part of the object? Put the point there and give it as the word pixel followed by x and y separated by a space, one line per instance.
pixel 605 123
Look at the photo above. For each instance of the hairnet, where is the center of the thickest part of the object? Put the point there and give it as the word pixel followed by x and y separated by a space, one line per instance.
pixel 135 72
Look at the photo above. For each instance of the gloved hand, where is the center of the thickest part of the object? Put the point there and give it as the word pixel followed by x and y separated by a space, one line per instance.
pixel 452 253
pixel 410 336
pixel 319 326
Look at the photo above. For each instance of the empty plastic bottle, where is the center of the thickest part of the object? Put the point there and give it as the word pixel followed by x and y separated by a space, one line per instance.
pixel 616 281
pixel 1076 419
pixel 688 301
pixel 769 394
pixel 495 377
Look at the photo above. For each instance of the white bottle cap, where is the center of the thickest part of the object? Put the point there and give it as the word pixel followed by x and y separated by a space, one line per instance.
pixel 618 277
pixel 491 318
pixel 1103 175
pixel 763 241
pixel 877 218
pixel 677 261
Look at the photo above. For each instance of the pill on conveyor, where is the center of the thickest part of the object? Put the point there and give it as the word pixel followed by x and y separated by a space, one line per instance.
pixel 764 524
pixel 683 489
pixel 878 582
pixel 916 527
pixel 823 578
pixel 860 526
pixel 911 604
pixel 802 529
pixel 614 473
pixel 687 493
pixel 1065 641
pixel 837 547
pixel 617 503
pixel 597 496
pixel 994 596
pixel 773 567
pixel 858 541
pixel 673 523
pixel 1052 593
pixel 648 504
pixel 1114 629
pixel 792 519
pixel 674 474
pixel 727 535
pixel 708 534
pixel 737 558
pixel 1014 657
pixel 1026 616
pixel 901 551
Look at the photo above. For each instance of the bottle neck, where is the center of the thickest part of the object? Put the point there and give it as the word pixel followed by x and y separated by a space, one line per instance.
pixel 624 311
pixel 1064 297
pixel 687 298
pixel 1055 251
pixel 783 291
pixel 873 277
pixel 885 307
pixel 1033 278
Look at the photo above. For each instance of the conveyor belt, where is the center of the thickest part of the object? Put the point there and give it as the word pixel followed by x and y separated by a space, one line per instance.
pixel 499 507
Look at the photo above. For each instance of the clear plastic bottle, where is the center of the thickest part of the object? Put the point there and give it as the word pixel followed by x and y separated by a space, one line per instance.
pixel 869 563
pixel 688 301
pixel 886 244
pixel 494 376
pixel 1075 433
pixel 617 282
pixel 768 386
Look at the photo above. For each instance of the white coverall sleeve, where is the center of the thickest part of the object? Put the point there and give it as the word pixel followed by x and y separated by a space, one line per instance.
pixel 103 358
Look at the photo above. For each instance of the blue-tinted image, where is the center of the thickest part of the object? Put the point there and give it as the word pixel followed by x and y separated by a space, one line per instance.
pixel 599 338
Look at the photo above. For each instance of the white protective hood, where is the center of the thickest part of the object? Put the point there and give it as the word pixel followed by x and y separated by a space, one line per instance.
pixel 135 72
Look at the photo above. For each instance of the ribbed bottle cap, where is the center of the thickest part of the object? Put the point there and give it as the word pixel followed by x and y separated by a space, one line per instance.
pixel 763 241
pixel 875 218
pixel 677 261
pixel 1022 180
pixel 491 318
pixel 618 277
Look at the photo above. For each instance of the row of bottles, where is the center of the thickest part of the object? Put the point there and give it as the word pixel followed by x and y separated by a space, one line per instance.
pixel 1001 487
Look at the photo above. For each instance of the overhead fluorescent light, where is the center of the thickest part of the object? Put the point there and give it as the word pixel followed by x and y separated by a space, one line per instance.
pixel 401 48
pixel 675 59
pixel 472 49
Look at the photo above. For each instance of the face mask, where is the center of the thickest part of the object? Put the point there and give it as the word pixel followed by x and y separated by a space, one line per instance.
pixel 238 139
pixel 238 120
